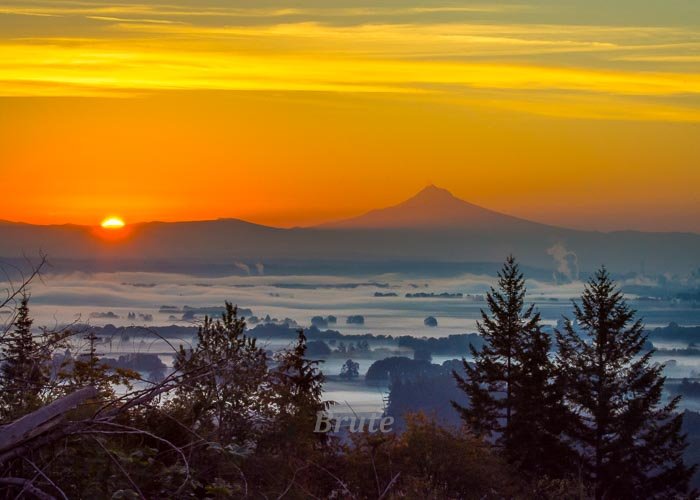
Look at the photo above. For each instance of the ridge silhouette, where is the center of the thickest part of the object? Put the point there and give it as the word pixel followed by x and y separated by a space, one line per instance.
pixel 431 207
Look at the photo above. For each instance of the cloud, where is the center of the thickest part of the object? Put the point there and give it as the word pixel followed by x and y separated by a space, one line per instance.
pixel 131 20
pixel 124 67
pixel 244 10
pixel 134 48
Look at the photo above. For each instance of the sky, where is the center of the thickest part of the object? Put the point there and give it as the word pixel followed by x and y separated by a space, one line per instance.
pixel 581 113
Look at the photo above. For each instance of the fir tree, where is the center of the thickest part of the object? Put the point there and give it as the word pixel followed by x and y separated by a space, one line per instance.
pixel 23 374
pixel 538 417
pixel 223 392
pixel 89 370
pixel 629 444
pixel 298 386
pixel 509 385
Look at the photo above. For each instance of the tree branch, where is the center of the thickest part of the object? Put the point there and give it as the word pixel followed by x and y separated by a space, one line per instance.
pixel 27 486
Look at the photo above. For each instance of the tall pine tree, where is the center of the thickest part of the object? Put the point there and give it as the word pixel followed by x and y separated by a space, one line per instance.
pixel 629 444
pixel 512 399
pixel 23 374
pixel 298 388
pixel 538 415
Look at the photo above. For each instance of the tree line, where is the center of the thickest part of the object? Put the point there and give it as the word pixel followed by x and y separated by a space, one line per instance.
pixel 233 420
pixel 594 410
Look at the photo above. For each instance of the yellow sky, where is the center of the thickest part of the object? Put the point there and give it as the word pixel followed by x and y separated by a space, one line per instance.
pixel 293 113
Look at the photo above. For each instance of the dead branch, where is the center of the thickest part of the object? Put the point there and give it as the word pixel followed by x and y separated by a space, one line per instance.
pixel 119 466
pixel 126 429
pixel 291 483
pixel 42 420
pixel 13 291
pixel 26 486
pixel 389 486
pixel 337 479
pixel 46 478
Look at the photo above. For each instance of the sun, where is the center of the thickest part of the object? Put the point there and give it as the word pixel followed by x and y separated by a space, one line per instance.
pixel 113 222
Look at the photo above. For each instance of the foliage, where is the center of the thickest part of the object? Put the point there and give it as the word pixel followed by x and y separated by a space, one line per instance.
pixel 628 443
pixel 233 421
pixel 297 390
pixel 512 399
pixel 223 394
pixel 398 367
pixel 90 370
pixel 426 461
pixel 350 370
pixel 428 394
pixel 318 348
pixel 23 370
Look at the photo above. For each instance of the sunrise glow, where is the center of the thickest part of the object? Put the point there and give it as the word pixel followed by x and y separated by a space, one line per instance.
pixel 112 223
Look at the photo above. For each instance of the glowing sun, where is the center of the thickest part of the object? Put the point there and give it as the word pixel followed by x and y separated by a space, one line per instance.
pixel 112 223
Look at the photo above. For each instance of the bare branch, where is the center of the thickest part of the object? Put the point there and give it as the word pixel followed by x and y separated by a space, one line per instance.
pixel 13 291
pixel 46 478
pixel 119 466
pixel 26 486
pixel 291 483
pixel 338 480
pixel 42 420
pixel 125 429
pixel 389 486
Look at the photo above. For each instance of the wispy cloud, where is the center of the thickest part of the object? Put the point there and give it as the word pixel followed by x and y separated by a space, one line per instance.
pixel 144 47
pixel 201 9
pixel 135 66
pixel 662 58
pixel 132 20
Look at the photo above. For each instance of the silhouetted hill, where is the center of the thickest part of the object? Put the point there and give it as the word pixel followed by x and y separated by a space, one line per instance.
pixel 434 207
pixel 431 228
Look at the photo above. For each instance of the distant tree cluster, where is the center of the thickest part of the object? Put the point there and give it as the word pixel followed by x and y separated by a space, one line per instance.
pixel 360 347
pixel 356 319
pixel 321 322
pixel 450 345
pixel 350 370
pixel 688 389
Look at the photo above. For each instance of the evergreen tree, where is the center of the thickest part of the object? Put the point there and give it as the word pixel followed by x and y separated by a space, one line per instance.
pixel 89 370
pixel 629 444
pixel 23 371
pixel 298 387
pixel 225 391
pixel 290 443
pixel 509 385
pixel 538 416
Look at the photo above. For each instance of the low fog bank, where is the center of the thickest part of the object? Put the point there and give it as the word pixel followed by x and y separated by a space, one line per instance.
pixel 388 303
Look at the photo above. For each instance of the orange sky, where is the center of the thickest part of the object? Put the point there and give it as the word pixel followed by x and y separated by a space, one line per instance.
pixel 296 115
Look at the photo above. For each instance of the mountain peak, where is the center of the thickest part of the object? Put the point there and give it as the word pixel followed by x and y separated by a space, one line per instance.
pixel 431 207
pixel 433 189
pixel 432 194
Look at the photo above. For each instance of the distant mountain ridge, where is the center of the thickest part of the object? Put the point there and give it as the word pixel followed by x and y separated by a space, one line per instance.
pixel 431 207
pixel 431 227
